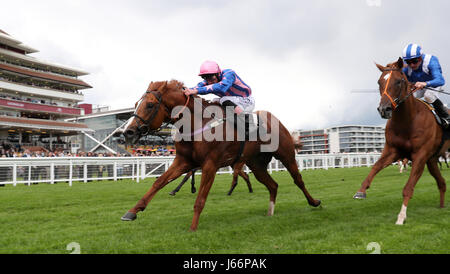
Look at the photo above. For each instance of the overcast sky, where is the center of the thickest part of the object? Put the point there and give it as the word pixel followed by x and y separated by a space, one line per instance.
pixel 302 59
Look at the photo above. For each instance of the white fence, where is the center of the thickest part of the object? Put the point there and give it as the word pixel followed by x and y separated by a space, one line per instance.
pixel 84 169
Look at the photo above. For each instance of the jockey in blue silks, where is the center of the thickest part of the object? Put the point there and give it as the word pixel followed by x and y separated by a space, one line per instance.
pixel 233 92
pixel 227 85
pixel 425 71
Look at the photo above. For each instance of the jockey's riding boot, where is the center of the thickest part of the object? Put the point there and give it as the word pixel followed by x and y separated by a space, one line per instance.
pixel 251 127
pixel 243 123
pixel 442 112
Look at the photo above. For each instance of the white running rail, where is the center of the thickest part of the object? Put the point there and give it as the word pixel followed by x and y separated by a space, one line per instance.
pixel 84 169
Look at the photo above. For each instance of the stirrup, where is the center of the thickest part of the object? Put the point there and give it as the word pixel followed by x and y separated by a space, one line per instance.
pixel 445 123
pixel 216 123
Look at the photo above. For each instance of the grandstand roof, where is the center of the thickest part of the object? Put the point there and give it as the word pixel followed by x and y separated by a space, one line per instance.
pixel 44 76
pixel 6 39
pixel 28 123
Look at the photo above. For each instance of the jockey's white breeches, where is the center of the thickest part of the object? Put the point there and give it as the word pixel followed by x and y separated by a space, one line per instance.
pixel 428 95
pixel 247 104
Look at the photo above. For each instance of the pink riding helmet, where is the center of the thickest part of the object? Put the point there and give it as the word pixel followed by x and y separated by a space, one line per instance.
pixel 209 67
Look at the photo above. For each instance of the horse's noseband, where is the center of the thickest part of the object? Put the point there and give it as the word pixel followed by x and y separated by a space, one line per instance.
pixel 143 127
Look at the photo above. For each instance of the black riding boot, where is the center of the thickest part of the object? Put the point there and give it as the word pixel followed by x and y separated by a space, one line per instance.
pixel 242 122
pixel 441 110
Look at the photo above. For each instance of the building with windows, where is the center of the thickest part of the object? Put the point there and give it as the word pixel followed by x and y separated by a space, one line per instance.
pixel 342 139
pixel 313 141
pixel 36 96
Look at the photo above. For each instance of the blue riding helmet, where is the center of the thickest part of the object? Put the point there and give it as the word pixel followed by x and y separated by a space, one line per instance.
pixel 412 51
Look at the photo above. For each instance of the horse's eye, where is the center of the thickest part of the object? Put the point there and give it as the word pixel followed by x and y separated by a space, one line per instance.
pixel 150 105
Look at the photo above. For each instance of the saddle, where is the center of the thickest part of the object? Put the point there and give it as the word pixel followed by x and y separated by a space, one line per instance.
pixel 248 123
pixel 445 131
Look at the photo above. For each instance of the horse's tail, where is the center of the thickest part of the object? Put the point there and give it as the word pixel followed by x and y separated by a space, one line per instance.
pixel 298 144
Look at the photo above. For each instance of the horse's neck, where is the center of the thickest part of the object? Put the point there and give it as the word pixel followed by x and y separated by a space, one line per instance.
pixel 404 115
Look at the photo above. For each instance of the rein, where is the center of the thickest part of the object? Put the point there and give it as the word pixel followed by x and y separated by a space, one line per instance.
pixel 143 124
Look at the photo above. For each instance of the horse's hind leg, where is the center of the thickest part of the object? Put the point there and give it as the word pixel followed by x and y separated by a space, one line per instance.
pixel 435 172
pixel 188 175
pixel 298 180
pixel 234 182
pixel 259 169
pixel 247 180
pixel 238 171
pixel 288 160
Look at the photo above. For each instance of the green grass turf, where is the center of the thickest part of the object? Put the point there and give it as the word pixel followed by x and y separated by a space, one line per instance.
pixel 46 218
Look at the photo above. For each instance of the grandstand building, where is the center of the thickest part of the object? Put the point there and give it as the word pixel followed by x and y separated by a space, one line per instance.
pixel 342 139
pixel 35 98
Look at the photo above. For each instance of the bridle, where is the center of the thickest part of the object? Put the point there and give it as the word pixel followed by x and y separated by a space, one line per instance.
pixel 397 101
pixel 143 124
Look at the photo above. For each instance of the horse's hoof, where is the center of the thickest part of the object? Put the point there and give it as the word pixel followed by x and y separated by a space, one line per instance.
pixel 172 193
pixel 129 216
pixel 359 195
pixel 317 203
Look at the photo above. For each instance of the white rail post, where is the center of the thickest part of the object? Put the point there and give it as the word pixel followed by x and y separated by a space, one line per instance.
pixel 14 174
pixel 143 170
pixel 29 174
pixel 137 171
pixel 85 172
pixel 115 171
pixel 70 172
pixel 52 173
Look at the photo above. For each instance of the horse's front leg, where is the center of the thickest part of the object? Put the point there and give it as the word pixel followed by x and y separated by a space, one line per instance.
pixel 417 168
pixel 208 174
pixel 178 167
pixel 388 156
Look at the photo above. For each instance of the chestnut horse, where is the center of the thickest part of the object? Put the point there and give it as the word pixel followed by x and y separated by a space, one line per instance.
pixel 237 171
pixel 156 106
pixel 411 132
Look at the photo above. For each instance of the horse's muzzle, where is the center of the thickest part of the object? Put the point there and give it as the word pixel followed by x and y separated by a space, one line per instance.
pixel 131 136
pixel 385 111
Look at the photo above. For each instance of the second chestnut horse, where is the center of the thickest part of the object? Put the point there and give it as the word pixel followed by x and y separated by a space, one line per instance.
pixel 411 132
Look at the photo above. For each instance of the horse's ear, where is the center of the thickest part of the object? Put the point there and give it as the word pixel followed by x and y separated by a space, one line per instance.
pixel 149 85
pixel 380 67
pixel 163 86
pixel 400 63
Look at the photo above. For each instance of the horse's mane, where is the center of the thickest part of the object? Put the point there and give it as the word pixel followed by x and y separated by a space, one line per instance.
pixel 175 85
pixel 164 86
